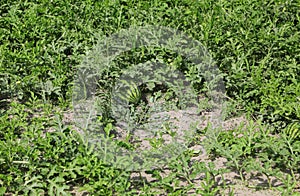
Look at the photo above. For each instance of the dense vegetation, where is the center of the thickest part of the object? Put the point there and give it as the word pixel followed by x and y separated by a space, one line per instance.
pixel 254 43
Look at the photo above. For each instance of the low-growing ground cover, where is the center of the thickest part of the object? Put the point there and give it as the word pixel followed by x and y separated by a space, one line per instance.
pixel 255 45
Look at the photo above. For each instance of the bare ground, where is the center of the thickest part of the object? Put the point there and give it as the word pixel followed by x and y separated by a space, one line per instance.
pixel 231 179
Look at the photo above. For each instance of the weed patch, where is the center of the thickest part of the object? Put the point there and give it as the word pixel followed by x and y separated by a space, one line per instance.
pixel 253 43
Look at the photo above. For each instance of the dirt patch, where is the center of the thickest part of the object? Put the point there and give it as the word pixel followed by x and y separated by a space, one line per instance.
pixel 182 121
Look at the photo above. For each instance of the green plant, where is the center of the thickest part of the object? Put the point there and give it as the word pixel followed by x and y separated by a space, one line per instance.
pixel 42 45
